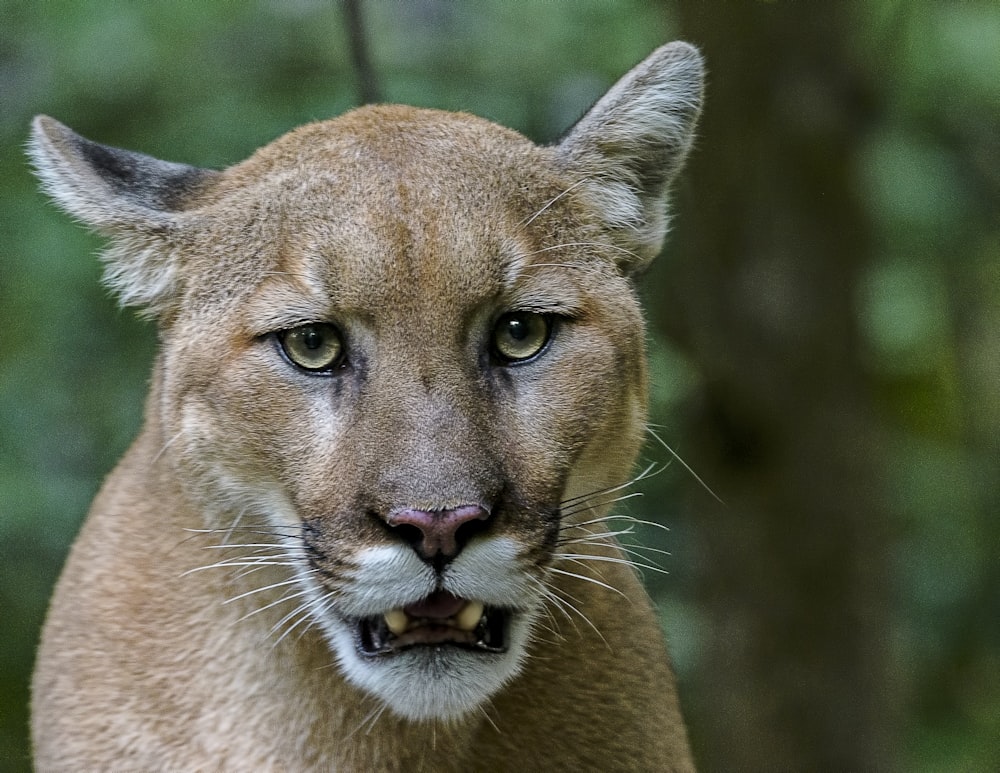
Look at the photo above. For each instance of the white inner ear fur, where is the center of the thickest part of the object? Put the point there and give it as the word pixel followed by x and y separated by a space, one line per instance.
pixel 140 262
pixel 633 142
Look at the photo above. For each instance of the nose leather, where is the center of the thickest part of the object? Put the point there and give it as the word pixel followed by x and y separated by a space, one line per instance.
pixel 438 529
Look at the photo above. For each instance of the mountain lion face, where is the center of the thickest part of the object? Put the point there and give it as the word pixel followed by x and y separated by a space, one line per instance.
pixel 402 365
pixel 427 359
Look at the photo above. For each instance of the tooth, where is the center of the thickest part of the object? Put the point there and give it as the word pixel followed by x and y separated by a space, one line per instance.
pixel 397 621
pixel 468 618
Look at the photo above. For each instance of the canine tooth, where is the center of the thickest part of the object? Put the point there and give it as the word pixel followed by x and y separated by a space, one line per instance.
pixel 469 616
pixel 397 621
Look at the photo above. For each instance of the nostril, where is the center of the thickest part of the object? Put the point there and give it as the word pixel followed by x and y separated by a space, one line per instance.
pixel 437 534
pixel 410 533
pixel 469 529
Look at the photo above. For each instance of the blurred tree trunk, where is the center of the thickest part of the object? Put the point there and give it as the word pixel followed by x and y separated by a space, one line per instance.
pixel 368 89
pixel 794 571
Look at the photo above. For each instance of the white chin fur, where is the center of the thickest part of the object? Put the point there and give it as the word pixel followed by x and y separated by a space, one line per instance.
pixel 433 682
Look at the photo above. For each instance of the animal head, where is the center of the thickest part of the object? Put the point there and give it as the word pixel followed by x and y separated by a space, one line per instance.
pixel 405 345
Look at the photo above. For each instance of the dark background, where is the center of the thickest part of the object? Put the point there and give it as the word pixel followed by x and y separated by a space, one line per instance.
pixel 825 324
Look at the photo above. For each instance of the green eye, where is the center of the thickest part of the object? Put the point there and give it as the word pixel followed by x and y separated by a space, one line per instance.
pixel 520 335
pixel 317 348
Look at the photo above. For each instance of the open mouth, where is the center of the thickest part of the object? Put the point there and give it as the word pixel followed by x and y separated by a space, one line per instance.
pixel 439 619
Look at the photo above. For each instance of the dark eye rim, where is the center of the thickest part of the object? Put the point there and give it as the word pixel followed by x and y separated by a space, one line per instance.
pixel 551 326
pixel 327 370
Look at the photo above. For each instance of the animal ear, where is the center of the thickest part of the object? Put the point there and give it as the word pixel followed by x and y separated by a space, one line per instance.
pixel 628 148
pixel 134 199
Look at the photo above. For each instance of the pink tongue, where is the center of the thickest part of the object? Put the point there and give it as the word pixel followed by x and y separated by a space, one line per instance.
pixel 439 605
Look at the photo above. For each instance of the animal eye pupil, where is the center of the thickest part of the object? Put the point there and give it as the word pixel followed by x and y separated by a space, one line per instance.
pixel 312 339
pixel 517 329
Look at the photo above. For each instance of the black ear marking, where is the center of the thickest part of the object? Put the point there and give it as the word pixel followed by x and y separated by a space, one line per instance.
pixel 156 184
pixel 100 174
pixel 134 199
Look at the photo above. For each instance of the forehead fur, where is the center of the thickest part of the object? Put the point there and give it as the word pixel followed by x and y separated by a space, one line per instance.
pixel 384 203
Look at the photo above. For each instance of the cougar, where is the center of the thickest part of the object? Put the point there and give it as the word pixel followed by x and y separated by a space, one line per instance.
pixel 367 523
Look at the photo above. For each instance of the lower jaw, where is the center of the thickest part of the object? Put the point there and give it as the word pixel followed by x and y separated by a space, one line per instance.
pixel 443 682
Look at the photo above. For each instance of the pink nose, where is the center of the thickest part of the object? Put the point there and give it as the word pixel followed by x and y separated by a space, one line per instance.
pixel 437 531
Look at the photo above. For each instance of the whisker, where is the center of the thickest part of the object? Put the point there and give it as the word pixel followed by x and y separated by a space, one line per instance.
pixel 544 632
pixel 684 464
pixel 617 517
pixel 261 545
pixel 552 201
pixel 556 596
pixel 592 522
pixel 231 562
pixel 584 577
pixel 565 607
pixel 264 561
pixel 553 624
pixel 649 472
pixel 308 613
pixel 318 612
pixel 261 550
pixel 166 445
pixel 285 597
pixel 579 244
pixel 302 611
pixel 544 592
pixel 247 572
pixel 488 718
pixel 607 538
pixel 262 589
pixel 635 550
pixel 285 273
pixel 278 539
pixel 263 531
pixel 570 511
pixel 257 557
pixel 370 719
pixel 583 558
pixel 375 717
pixel 232 527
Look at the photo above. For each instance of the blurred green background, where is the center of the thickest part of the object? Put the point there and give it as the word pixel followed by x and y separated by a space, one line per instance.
pixel 825 324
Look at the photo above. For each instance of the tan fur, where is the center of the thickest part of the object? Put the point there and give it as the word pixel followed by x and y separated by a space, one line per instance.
pixel 412 231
